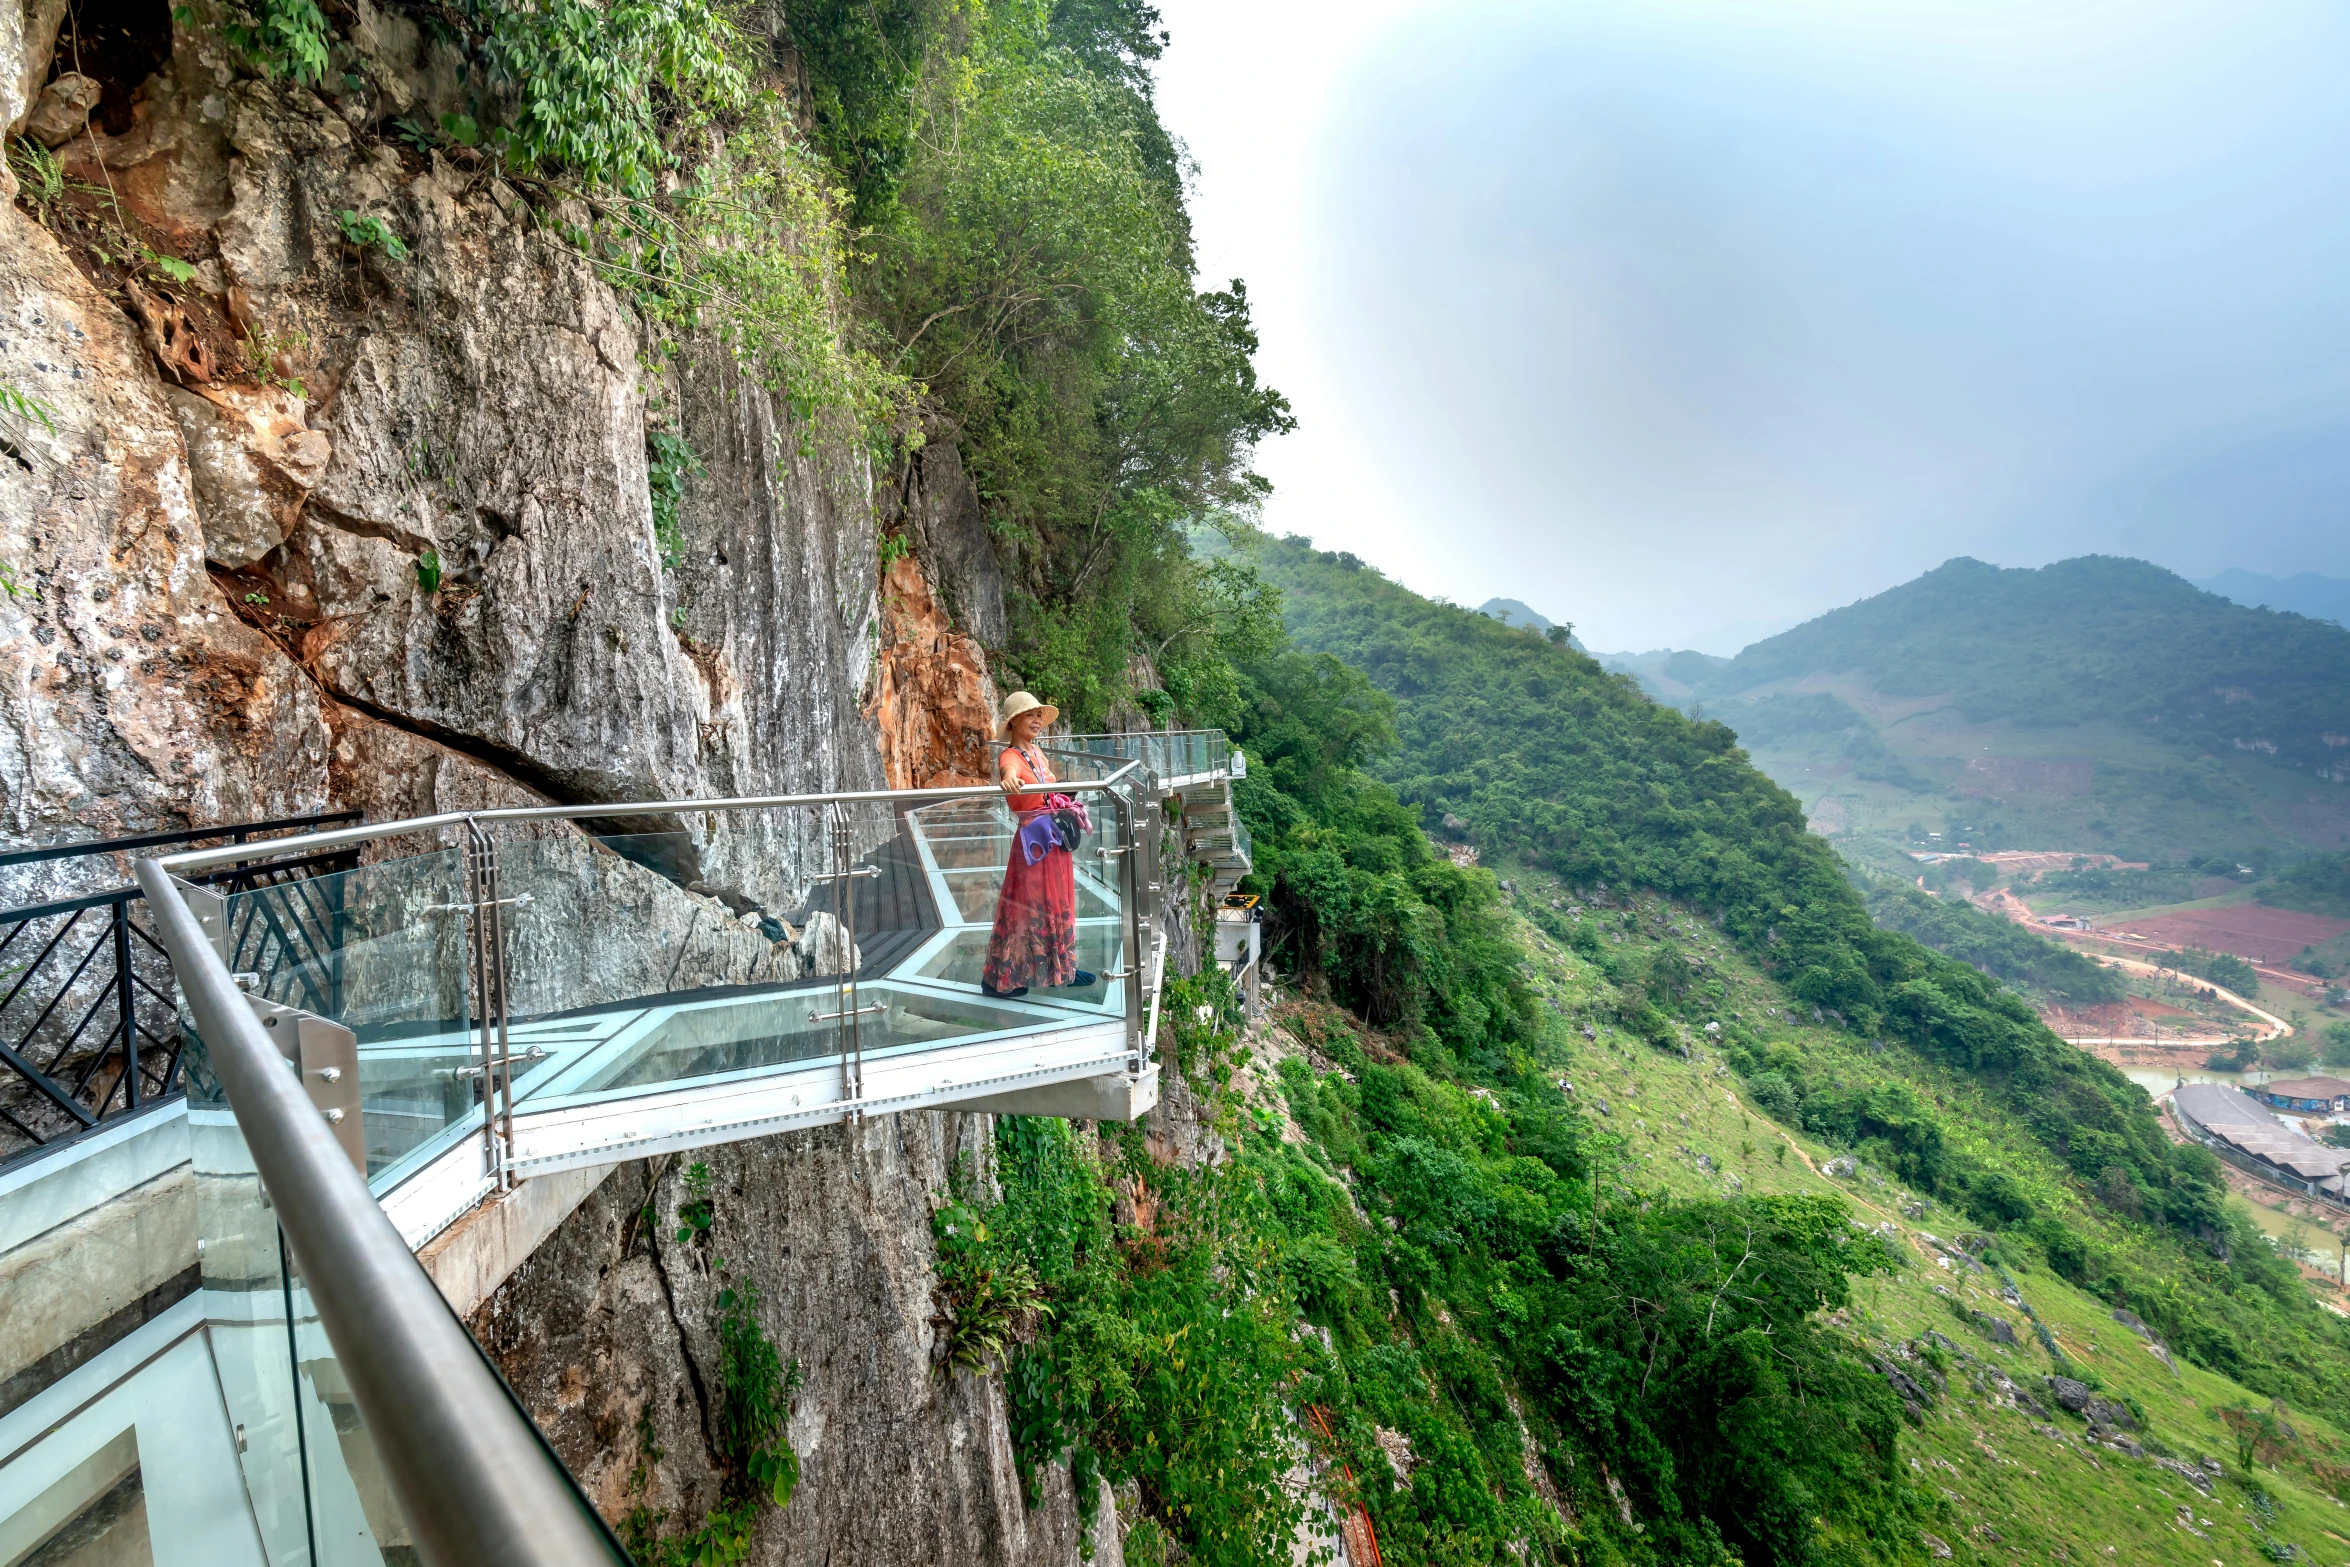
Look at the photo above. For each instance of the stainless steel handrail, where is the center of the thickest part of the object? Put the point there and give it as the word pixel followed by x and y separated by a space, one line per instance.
pixel 200 859
pixel 473 1479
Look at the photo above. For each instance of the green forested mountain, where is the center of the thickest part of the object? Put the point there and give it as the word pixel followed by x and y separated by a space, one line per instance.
pixel 2097 704
pixel 1541 1327
pixel 2097 638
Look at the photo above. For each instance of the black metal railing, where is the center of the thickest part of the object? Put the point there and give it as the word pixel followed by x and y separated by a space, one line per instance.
pixel 89 1012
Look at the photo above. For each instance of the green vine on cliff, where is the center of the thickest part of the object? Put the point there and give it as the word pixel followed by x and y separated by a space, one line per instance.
pixel 756 1385
pixel 285 38
pixel 669 462
pixel 595 87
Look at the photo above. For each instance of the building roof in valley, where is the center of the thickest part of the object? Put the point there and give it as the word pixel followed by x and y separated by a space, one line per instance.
pixel 2306 1088
pixel 2246 1125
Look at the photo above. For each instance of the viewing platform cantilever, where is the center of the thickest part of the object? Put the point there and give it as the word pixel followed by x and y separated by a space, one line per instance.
pixel 541 995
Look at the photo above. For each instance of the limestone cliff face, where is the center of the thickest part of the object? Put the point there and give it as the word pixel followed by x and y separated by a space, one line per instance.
pixel 224 532
pixel 932 697
pixel 609 1332
pixel 477 404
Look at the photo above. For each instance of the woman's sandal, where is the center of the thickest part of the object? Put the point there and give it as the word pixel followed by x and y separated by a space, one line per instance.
pixel 1003 995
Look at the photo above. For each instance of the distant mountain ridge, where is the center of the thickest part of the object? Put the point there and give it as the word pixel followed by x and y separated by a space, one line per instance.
pixel 2091 703
pixel 1511 612
pixel 2303 593
pixel 2098 637
pixel 1515 612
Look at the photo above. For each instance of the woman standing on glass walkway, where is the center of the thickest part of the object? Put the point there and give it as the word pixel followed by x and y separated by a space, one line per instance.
pixel 1035 939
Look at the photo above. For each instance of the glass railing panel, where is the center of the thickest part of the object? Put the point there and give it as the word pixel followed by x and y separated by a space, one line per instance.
pixel 716 1041
pixel 115 1444
pixel 314 1487
pixel 622 981
pixel 1168 754
pixel 597 924
pixel 312 1480
pixel 1062 884
pixel 381 950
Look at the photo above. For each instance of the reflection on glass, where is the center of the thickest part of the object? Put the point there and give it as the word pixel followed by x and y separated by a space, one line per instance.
pixel 746 1036
pixel 1100 944
pixel 381 950
pixel 95 1515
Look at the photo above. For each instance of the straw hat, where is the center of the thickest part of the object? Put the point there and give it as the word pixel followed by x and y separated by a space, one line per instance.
pixel 1022 702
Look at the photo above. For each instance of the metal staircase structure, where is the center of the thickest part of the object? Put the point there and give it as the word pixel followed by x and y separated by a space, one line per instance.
pixel 216 1310
pixel 1196 767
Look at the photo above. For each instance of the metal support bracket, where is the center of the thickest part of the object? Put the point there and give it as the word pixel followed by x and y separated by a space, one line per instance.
pixel 211 911
pixel 465 1074
pixel 326 1054
pixel 815 1016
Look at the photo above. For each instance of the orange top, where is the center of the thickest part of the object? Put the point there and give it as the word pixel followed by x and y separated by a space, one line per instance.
pixel 1029 767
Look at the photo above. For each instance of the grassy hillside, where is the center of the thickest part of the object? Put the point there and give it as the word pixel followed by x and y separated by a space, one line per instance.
pixel 2096 704
pixel 1545 761
pixel 1513 1229
pixel 2001 1478
pixel 1598 1301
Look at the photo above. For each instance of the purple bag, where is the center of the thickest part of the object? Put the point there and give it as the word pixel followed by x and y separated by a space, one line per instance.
pixel 1037 837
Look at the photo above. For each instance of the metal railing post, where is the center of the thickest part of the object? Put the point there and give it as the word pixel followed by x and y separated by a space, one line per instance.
pixel 852 1060
pixel 126 999
pixel 487 957
pixel 1142 813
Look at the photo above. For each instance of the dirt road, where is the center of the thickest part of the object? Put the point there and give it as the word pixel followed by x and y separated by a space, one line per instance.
pixel 2010 907
pixel 2276 1024
pixel 2007 904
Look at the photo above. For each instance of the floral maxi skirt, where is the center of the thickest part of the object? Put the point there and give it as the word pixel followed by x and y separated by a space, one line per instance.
pixel 1035 939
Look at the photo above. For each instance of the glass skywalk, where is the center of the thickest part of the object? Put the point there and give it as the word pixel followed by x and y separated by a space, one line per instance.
pixel 548 993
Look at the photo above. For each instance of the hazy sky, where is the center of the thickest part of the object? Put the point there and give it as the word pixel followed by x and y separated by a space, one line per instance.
pixel 1685 321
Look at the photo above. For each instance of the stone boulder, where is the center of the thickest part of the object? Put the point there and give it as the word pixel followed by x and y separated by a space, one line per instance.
pixel 1997 1329
pixel 2104 1411
pixel 2073 1396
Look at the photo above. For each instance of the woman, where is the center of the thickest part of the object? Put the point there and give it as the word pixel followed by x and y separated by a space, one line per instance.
pixel 1035 940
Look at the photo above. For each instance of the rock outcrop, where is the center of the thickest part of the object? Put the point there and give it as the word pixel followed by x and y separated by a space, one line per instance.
pixel 304 523
pixel 932 698
pixel 609 1333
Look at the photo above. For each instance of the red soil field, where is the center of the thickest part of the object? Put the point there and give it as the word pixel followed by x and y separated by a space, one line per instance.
pixel 2133 1017
pixel 2248 930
